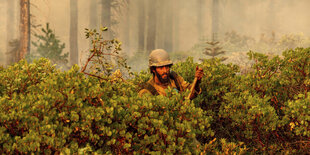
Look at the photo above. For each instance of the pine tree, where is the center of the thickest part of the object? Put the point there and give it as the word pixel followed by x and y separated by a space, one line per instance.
pixel 214 50
pixel 49 46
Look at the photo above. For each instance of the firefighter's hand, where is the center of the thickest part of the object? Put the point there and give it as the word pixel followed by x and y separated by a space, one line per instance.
pixel 199 73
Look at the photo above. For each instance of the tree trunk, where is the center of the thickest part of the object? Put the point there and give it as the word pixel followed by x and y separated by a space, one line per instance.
pixel 168 38
pixel 106 17
pixel 200 18
pixel 151 29
pixel 74 53
pixel 176 25
pixel 127 27
pixel 10 29
pixel 215 19
pixel 141 25
pixel 24 29
pixel 239 12
pixel 93 14
pixel 161 24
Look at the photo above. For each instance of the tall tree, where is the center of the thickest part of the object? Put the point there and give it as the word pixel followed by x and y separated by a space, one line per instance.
pixel 215 19
pixel 74 53
pixel 10 28
pixel 176 8
pixel 106 6
pixel 93 14
pixel 151 28
pixel 24 29
pixel 239 11
pixel 127 27
pixel 161 24
pixel 200 17
pixel 168 38
pixel 141 25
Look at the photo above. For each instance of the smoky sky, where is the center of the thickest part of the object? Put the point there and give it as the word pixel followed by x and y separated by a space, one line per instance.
pixel 246 17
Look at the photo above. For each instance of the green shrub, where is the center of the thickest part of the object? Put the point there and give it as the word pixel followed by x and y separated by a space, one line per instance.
pixel 68 112
pixel 45 110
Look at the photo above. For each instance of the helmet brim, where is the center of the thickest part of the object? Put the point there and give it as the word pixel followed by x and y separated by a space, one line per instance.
pixel 163 63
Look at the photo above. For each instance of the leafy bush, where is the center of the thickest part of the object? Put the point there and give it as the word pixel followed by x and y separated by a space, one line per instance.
pixel 104 56
pixel 45 110
pixel 263 108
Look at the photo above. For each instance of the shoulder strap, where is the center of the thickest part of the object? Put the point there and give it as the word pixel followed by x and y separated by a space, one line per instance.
pixel 174 75
pixel 150 88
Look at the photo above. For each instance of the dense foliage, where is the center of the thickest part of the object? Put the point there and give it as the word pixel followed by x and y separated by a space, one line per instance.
pixel 45 110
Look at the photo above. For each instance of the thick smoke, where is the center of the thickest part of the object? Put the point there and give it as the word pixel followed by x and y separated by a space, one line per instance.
pixel 252 18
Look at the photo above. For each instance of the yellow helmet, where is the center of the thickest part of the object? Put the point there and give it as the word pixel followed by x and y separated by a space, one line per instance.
pixel 159 57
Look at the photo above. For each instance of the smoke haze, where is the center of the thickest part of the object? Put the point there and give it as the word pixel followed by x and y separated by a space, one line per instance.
pixel 191 19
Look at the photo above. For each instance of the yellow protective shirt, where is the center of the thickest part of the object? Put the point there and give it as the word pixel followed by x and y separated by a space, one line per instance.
pixel 161 89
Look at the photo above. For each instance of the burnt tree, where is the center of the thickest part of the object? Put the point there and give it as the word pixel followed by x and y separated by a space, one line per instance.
pixel 74 53
pixel 24 46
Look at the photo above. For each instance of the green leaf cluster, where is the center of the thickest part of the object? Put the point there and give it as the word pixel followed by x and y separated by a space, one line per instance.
pixel 45 110
pixel 104 56
pixel 268 106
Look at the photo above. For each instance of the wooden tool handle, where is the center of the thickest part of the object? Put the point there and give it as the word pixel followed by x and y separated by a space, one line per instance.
pixel 192 88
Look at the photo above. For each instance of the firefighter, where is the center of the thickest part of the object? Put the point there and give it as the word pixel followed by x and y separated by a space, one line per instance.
pixel 160 64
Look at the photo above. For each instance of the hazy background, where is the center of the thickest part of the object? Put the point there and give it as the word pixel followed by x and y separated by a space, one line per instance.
pixel 192 22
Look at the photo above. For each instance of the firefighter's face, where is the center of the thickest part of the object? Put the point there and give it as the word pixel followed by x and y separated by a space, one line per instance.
pixel 162 73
